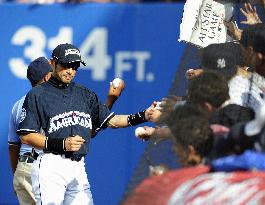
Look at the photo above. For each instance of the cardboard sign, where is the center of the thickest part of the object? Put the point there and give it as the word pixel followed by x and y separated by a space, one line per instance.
pixel 203 22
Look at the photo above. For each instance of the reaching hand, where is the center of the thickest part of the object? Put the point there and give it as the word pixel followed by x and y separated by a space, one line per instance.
pixel 153 113
pixel 168 105
pixel 144 133
pixel 233 29
pixel 191 73
pixel 219 129
pixel 149 110
pixel 251 14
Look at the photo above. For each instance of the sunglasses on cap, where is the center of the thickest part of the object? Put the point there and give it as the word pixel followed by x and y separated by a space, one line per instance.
pixel 73 65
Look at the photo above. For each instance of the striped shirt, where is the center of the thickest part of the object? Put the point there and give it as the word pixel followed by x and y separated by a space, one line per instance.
pixel 243 91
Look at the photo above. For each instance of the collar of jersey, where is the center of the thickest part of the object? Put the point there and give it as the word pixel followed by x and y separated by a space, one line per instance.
pixel 56 83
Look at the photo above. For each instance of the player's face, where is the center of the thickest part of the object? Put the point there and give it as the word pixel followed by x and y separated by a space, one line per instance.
pixel 66 72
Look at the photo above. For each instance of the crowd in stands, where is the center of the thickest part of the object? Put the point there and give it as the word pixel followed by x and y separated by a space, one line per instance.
pixel 217 128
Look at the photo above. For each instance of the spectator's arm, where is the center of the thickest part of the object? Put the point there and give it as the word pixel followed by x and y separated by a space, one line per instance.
pixel 234 30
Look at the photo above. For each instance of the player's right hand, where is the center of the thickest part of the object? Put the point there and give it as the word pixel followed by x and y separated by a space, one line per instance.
pixel 116 91
pixel 73 143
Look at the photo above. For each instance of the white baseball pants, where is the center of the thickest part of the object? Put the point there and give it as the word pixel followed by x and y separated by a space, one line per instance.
pixel 57 180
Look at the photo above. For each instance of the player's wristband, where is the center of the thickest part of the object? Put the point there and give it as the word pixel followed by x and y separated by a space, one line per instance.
pixel 55 144
pixel 136 119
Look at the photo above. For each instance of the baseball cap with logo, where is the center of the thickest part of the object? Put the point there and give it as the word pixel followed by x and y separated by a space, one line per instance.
pixel 67 53
pixel 37 70
pixel 223 57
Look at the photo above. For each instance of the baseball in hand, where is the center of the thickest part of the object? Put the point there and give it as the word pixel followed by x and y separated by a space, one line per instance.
pixel 139 131
pixel 116 87
pixel 116 82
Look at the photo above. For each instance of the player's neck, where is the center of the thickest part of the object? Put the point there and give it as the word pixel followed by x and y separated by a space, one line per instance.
pixel 57 83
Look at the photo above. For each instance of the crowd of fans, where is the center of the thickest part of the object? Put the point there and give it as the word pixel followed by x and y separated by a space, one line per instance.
pixel 217 128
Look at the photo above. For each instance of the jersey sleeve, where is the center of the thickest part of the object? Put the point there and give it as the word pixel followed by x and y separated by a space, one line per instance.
pixel 13 138
pixel 29 118
pixel 100 114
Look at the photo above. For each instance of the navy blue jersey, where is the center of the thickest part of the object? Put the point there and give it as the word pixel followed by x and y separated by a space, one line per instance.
pixel 63 110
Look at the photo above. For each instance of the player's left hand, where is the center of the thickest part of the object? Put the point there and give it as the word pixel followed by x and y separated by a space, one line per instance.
pixel 154 115
pixel 148 110
pixel 74 143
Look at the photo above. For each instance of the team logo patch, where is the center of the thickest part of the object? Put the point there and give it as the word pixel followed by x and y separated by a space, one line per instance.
pixel 23 115
pixel 72 52
pixel 221 63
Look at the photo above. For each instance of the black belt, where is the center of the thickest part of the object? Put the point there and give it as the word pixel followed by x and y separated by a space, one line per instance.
pixel 71 156
pixel 76 158
pixel 26 158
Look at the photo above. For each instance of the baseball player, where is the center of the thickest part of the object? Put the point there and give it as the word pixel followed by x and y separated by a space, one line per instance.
pixel 21 155
pixel 66 112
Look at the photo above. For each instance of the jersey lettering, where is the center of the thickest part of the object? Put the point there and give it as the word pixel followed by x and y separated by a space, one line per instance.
pixel 23 115
pixel 72 52
pixel 69 119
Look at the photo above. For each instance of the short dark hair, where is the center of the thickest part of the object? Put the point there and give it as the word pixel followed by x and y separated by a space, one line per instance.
pixel 194 131
pixel 254 35
pixel 184 111
pixel 209 87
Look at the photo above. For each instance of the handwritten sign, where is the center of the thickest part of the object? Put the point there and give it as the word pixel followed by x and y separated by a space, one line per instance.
pixel 203 22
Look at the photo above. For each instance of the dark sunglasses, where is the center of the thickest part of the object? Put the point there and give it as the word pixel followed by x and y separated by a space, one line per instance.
pixel 74 65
